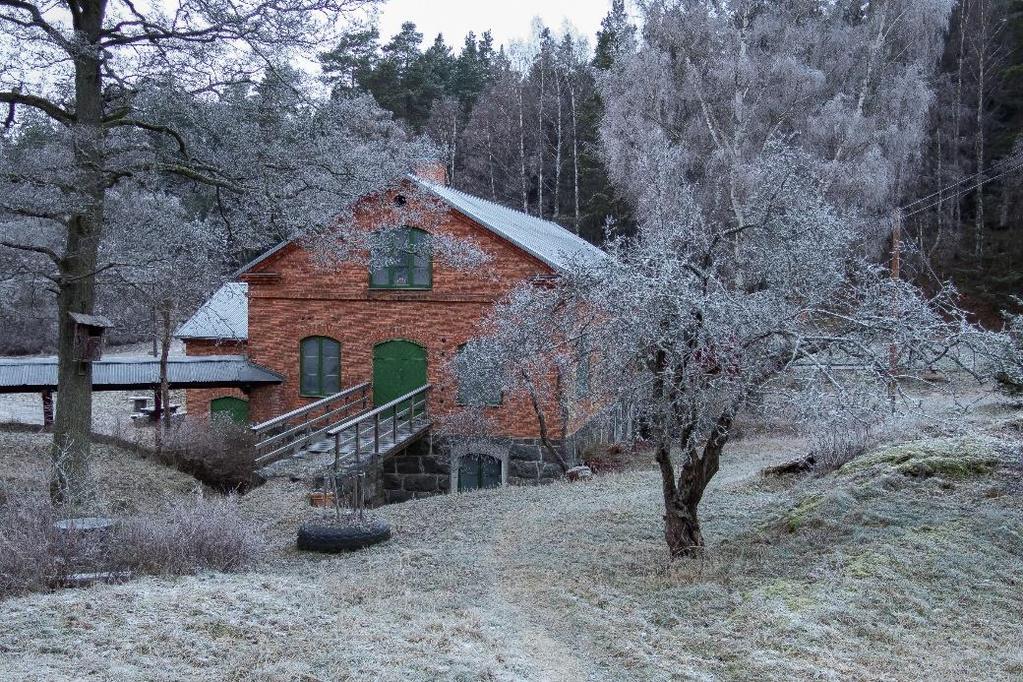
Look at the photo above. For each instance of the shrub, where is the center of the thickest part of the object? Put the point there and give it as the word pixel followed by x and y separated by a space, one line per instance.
pixel 34 553
pixel 217 452
pixel 209 534
pixel 204 534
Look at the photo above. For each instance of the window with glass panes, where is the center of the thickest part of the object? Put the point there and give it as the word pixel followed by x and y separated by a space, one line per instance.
pixel 409 263
pixel 320 367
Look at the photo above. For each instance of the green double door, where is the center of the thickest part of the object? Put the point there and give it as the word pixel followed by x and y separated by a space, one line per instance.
pixel 477 471
pixel 233 409
pixel 399 367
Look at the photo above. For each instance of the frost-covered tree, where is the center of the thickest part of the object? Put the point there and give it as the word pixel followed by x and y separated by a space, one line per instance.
pixel 761 145
pixel 151 97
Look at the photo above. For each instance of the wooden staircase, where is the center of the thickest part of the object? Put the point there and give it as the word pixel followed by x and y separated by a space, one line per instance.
pixel 342 429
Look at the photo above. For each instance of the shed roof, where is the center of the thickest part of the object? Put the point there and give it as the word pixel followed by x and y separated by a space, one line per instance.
pixel 544 239
pixel 30 375
pixel 225 316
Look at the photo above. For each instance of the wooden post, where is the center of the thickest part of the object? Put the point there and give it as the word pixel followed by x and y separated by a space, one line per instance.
pixel 47 409
pixel 893 350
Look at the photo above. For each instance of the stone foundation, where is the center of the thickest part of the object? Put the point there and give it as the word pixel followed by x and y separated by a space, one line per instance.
pixel 424 471
pixel 415 473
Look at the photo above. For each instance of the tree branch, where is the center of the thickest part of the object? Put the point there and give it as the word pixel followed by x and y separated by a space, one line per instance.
pixel 33 249
pixel 153 127
pixel 52 110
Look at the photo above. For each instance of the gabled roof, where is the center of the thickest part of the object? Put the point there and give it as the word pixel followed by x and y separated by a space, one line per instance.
pixel 224 317
pixel 25 375
pixel 546 240
pixel 543 239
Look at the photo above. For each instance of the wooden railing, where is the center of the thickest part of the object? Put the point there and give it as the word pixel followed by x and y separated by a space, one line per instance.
pixel 291 432
pixel 384 428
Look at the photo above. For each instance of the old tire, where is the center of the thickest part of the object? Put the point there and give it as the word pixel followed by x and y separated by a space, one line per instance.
pixel 333 538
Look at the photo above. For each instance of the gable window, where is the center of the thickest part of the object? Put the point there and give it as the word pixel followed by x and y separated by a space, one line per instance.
pixel 408 262
pixel 476 389
pixel 319 367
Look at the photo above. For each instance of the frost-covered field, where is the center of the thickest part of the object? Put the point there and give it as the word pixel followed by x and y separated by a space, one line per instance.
pixel 872 573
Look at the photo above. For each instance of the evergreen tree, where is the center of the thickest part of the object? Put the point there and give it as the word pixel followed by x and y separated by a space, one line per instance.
pixel 351 61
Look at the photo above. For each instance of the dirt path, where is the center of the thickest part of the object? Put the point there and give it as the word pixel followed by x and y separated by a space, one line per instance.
pixel 556 647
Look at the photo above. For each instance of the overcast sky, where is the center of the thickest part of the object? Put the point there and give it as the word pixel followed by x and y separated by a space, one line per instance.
pixel 507 19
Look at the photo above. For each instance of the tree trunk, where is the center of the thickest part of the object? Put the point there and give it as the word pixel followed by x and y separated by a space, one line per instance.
pixel 165 344
pixel 979 146
pixel 541 140
pixel 557 153
pixel 682 496
pixel 76 288
pixel 575 159
pixel 522 153
pixel 454 147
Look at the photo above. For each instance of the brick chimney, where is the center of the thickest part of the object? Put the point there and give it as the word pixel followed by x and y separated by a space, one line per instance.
pixel 433 171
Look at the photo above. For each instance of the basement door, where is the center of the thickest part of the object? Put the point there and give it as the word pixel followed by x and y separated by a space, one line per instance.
pixel 399 367
pixel 478 471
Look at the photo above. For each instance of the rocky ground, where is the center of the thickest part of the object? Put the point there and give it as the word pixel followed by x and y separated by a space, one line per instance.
pixel 905 564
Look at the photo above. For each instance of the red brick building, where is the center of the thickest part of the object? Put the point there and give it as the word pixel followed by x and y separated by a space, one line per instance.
pixel 397 326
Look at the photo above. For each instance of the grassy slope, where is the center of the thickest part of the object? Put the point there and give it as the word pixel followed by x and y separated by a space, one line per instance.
pixel 126 481
pixel 867 574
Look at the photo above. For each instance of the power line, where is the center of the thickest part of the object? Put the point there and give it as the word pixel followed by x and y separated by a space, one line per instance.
pixel 963 191
pixel 941 191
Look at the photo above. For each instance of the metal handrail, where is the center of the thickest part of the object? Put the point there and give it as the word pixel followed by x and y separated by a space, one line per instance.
pixel 308 408
pixel 378 410
pixel 294 430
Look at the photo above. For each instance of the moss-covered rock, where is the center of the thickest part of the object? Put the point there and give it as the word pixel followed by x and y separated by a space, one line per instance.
pixel 945 457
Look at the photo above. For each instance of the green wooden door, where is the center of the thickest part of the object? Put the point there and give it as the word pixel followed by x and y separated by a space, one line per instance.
pixel 235 409
pixel 399 367
pixel 478 471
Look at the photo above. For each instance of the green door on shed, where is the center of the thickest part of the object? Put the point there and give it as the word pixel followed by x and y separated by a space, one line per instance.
pixel 235 409
pixel 399 367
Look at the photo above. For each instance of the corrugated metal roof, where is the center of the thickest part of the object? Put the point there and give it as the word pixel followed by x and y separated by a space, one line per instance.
pixel 34 374
pixel 546 240
pixel 225 316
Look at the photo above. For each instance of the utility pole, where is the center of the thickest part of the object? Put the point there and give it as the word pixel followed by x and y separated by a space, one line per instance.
pixel 896 267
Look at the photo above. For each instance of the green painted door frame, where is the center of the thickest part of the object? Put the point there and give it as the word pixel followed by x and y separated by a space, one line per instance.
pixel 399 367
pixel 235 409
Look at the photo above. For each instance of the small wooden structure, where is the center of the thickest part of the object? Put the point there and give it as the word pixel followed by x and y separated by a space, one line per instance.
pixel 90 333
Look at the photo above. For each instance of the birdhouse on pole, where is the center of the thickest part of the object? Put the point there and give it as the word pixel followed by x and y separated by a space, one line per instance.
pixel 90 332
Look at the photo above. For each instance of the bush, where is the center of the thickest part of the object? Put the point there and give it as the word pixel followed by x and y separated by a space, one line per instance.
pixel 208 535
pixel 34 553
pixel 205 534
pixel 218 452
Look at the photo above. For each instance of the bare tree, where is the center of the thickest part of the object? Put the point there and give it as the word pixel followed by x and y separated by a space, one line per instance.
pixel 761 146
pixel 98 73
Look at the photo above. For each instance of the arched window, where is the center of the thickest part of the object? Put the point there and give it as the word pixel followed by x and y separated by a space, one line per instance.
pixel 409 264
pixel 319 367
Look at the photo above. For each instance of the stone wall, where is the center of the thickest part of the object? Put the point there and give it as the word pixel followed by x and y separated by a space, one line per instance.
pixel 415 473
pixel 424 471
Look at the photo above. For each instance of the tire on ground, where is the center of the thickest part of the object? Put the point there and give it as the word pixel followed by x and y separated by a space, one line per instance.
pixel 331 538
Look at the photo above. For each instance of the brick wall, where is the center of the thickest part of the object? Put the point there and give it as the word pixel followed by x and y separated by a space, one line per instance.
pixel 291 297
pixel 197 400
